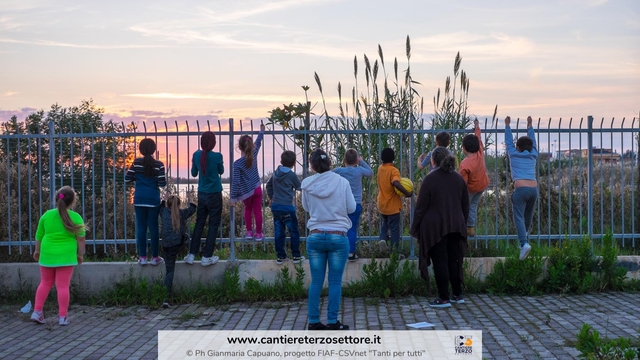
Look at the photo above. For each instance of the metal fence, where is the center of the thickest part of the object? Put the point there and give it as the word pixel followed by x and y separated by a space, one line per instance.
pixel 587 171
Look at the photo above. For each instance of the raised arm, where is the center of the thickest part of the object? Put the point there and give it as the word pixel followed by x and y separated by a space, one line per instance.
pixel 258 142
pixel 532 134
pixel 366 169
pixel 476 130
pixel 194 167
pixel 508 136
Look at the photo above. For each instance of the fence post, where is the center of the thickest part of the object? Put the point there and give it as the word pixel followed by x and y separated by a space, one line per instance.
pixel 412 254
pixel 305 156
pixel 232 214
pixel 590 172
pixel 52 166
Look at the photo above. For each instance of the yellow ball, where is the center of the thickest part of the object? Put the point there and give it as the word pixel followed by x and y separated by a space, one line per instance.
pixel 406 183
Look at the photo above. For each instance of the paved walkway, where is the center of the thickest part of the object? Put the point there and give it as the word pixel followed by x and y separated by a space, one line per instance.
pixel 541 327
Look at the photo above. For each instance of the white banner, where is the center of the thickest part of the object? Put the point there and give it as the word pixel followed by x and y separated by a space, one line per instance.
pixel 299 345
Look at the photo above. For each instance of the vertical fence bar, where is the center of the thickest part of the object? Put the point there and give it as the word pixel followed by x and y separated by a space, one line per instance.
pixel 559 177
pixel 9 192
pixel 570 223
pixel 124 191
pixel 52 166
pixel 611 178
pixel 590 183
pixel 635 165
pixel 549 182
pixel 93 188
pixel 412 255
pixel 29 170
pixel 601 182
pixel 103 192
pixel 581 182
pixel 232 229
pixel 18 157
pixel 624 185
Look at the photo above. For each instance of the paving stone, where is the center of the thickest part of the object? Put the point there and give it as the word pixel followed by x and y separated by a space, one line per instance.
pixel 513 327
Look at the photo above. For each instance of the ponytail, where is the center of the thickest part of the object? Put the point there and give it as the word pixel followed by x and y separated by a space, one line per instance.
pixel 173 203
pixel 245 144
pixel 147 148
pixel 64 199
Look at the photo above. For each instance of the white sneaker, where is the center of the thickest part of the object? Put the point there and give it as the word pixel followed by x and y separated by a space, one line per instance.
pixel 156 261
pixel 143 260
pixel 524 251
pixel 189 259
pixel 63 321
pixel 209 261
pixel 382 244
pixel 38 317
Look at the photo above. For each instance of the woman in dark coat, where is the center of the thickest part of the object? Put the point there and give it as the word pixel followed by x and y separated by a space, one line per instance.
pixel 440 225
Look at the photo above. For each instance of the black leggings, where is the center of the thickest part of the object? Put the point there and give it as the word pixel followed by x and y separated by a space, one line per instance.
pixel 444 256
pixel 170 254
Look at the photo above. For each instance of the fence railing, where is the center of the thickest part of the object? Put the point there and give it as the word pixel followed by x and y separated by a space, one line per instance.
pixel 588 176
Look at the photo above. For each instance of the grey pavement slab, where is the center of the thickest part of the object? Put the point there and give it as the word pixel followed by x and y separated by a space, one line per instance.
pixel 513 327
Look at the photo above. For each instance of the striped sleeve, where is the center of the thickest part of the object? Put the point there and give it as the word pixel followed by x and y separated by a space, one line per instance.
pixel 130 175
pixel 162 179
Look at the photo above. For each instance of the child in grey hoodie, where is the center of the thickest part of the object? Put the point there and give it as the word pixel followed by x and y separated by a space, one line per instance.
pixel 280 189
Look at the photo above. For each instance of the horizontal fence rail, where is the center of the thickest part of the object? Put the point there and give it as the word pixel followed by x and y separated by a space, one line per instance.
pixel 588 176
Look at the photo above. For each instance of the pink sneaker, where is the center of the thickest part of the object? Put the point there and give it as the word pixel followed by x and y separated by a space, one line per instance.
pixel 156 260
pixel 259 236
pixel 249 234
pixel 38 317
pixel 142 260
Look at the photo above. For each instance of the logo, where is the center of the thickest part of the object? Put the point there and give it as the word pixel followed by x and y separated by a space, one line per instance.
pixel 464 344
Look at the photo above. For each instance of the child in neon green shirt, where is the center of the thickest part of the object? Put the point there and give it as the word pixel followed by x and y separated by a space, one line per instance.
pixel 60 246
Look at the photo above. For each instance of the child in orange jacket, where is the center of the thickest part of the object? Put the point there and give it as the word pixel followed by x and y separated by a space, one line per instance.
pixel 474 173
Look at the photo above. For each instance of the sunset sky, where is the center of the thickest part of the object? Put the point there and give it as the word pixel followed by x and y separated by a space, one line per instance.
pixel 167 61
pixel 240 59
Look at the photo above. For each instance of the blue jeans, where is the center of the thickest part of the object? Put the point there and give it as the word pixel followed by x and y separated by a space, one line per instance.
pixel 281 221
pixel 209 205
pixel 474 199
pixel 524 201
pixel 323 249
pixel 147 219
pixel 352 234
pixel 391 224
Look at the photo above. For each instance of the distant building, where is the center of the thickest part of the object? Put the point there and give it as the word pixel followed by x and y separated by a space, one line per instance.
pixel 603 155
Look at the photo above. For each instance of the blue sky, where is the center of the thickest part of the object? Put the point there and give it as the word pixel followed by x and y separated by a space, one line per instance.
pixel 240 59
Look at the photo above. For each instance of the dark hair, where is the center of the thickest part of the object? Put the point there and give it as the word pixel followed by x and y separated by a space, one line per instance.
pixel 442 158
pixel 207 142
pixel 524 143
pixel 387 155
pixel 64 199
pixel 147 148
pixel 471 143
pixel 245 144
pixel 351 157
pixel 443 139
pixel 288 158
pixel 320 161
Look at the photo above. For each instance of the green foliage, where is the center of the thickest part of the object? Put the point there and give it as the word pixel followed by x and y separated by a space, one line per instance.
pixel 593 347
pixel 570 267
pixel 284 288
pixel 611 276
pixel 386 279
pixel 132 290
pixel 514 276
